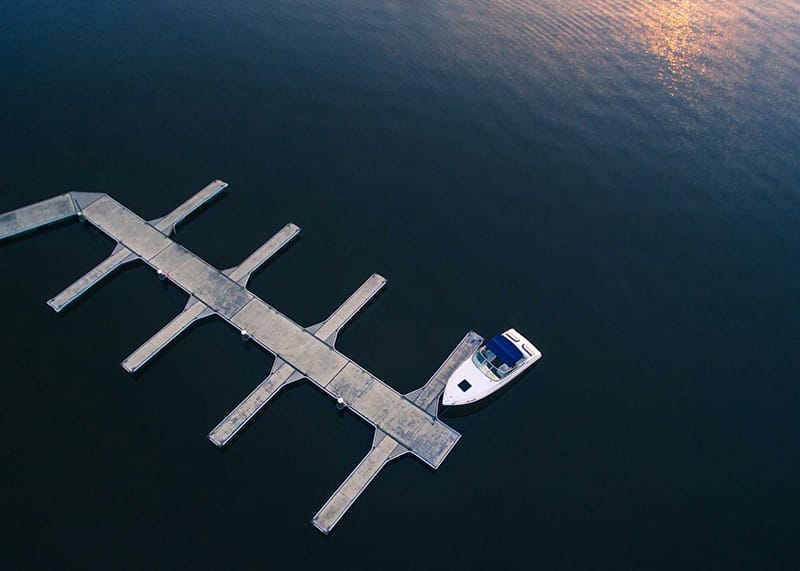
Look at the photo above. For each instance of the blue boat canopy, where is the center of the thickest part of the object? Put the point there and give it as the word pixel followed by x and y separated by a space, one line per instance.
pixel 504 349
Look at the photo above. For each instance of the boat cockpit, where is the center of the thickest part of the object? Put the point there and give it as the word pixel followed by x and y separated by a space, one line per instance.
pixel 497 358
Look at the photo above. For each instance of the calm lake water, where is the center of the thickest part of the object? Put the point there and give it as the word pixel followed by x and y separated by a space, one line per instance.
pixel 617 179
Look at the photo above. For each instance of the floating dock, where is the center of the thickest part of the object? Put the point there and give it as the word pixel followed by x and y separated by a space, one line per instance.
pixel 403 423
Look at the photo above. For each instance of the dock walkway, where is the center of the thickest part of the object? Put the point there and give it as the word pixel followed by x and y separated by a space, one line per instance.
pixel 403 423
pixel 384 448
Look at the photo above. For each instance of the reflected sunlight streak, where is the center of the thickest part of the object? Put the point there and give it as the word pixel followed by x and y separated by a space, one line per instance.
pixel 694 40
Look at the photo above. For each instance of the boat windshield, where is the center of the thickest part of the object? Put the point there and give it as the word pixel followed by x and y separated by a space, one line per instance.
pixel 491 364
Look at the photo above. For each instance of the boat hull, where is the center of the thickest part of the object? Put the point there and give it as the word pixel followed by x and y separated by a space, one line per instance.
pixel 470 383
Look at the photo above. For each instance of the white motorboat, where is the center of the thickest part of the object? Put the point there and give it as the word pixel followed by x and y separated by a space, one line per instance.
pixel 492 366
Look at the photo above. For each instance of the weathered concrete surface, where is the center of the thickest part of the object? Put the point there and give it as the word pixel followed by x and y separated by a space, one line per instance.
pixel 280 376
pixel 385 448
pixel 126 228
pixel 118 258
pixel 403 423
pixel 283 374
pixel 285 339
pixel 122 255
pixel 168 223
pixel 202 280
pixel 195 311
pixel 31 217
pixel 329 329
pixel 422 433
pixel 241 273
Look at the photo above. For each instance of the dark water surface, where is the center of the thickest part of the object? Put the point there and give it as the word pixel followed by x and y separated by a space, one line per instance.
pixel 619 180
